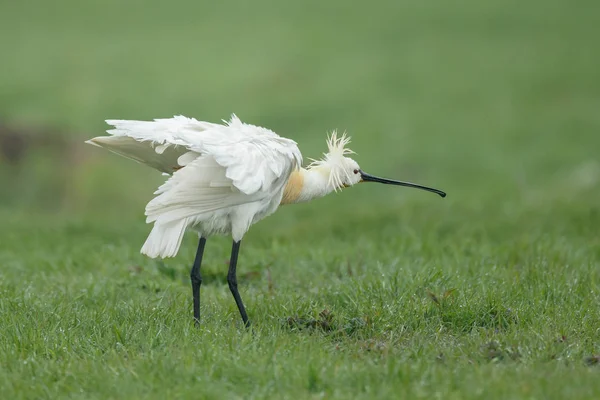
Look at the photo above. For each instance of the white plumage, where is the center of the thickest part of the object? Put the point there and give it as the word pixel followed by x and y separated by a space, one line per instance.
pixel 224 177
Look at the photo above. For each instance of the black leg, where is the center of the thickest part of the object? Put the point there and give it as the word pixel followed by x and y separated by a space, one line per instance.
pixel 197 279
pixel 232 281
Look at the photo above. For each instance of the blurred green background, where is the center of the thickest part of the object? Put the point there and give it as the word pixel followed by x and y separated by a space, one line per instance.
pixel 495 102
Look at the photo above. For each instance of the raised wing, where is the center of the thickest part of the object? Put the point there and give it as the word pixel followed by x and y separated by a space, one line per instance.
pixel 253 157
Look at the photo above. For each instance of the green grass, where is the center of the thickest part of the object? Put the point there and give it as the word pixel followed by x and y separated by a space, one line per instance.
pixel 377 292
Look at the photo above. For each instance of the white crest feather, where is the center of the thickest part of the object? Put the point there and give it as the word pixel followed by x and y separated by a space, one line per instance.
pixel 335 159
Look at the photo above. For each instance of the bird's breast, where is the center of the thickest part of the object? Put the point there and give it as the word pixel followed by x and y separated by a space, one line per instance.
pixel 293 188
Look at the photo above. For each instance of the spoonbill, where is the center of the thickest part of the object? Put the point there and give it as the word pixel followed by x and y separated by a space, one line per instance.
pixel 223 179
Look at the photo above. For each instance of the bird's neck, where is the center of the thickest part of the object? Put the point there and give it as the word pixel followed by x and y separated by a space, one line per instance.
pixel 307 184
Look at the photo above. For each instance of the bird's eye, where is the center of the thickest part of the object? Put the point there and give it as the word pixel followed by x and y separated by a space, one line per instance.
pixel 356 171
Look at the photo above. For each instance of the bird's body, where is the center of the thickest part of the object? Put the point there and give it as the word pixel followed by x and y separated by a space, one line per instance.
pixel 223 179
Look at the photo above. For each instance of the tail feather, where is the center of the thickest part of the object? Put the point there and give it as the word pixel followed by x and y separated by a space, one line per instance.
pixel 165 239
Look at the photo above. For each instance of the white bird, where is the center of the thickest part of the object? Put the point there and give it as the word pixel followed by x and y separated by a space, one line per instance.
pixel 224 178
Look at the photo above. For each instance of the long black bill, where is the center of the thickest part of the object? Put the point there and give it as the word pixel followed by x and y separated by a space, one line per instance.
pixel 370 178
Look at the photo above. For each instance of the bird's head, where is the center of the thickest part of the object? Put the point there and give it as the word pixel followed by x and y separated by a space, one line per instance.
pixel 344 172
pixel 341 170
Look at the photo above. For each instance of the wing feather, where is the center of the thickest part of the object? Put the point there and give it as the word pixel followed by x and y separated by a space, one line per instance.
pixel 195 191
pixel 253 157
